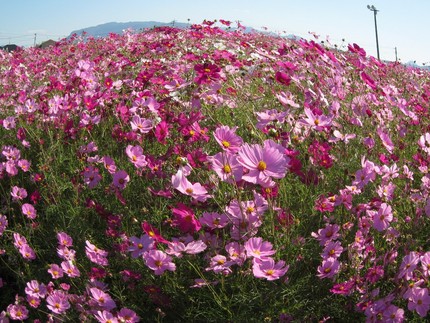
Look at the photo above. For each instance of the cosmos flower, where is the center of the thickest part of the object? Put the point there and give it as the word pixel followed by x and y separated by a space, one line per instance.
pixel 263 162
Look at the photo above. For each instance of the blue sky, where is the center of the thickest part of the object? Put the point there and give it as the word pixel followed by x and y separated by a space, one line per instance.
pixel 401 24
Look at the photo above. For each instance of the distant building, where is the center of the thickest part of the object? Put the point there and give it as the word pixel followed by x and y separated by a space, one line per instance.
pixel 9 48
pixel 47 43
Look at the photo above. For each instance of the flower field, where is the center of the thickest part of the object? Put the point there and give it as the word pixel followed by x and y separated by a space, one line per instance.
pixel 210 175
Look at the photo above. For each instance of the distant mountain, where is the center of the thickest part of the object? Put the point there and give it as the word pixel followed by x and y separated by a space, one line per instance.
pixel 414 64
pixel 118 27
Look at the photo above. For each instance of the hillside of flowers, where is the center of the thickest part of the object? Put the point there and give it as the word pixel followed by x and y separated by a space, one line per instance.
pixel 212 175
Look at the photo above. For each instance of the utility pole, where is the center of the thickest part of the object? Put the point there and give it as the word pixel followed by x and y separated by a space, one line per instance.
pixel 372 8
pixel 35 35
pixel 395 51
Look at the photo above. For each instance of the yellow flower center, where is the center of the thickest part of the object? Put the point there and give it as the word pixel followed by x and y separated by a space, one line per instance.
pixel 270 272
pixel 189 190
pixel 227 169
pixel 261 166
pixel 225 144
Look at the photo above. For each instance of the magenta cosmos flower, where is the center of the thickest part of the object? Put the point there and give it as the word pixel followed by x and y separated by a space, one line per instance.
pixel 263 163
pixel 185 219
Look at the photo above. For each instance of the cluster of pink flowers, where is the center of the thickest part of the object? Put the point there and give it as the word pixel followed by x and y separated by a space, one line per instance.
pixel 131 139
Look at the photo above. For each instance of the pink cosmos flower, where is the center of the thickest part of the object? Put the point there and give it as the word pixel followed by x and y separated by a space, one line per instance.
pixel 259 249
pixel 24 165
pixel 267 268
pixel 9 123
pixel 109 164
pixel 34 302
pixel 287 99
pixel 408 265
pixel 328 268
pixel 316 122
pixel 386 140
pixel 58 302
pixel 66 253
pixel 127 316
pixel 101 299
pixel 338 136
pixel 424 142
pixel 184 218
pixel 141 124
pixel 105 317
pixel 382 218
pixel 393 314
pixel 220 264
pixel 183 185
pixel 19 240
pixel 214 220
pixel 11 168
pixel 425 264
pixel 92 176
pixel 70 269
pixel 3 223
pixel 227 167
pixel 64 239
pixel 269 116
pixel 18 193
pixel 55 271
pixel 228 140
pixel 34 288
pixel 246 217
pixel 138 246
pixel 236 252
pixel 121 179
pixel 135 156
pixel 29 211
pixel 17 312
pixel 330 232
pixel 332 249
pixel 263 163
pixel 27 252
pixel 177 248
pixel 96 255
pixel 419 301
pixel 159 262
